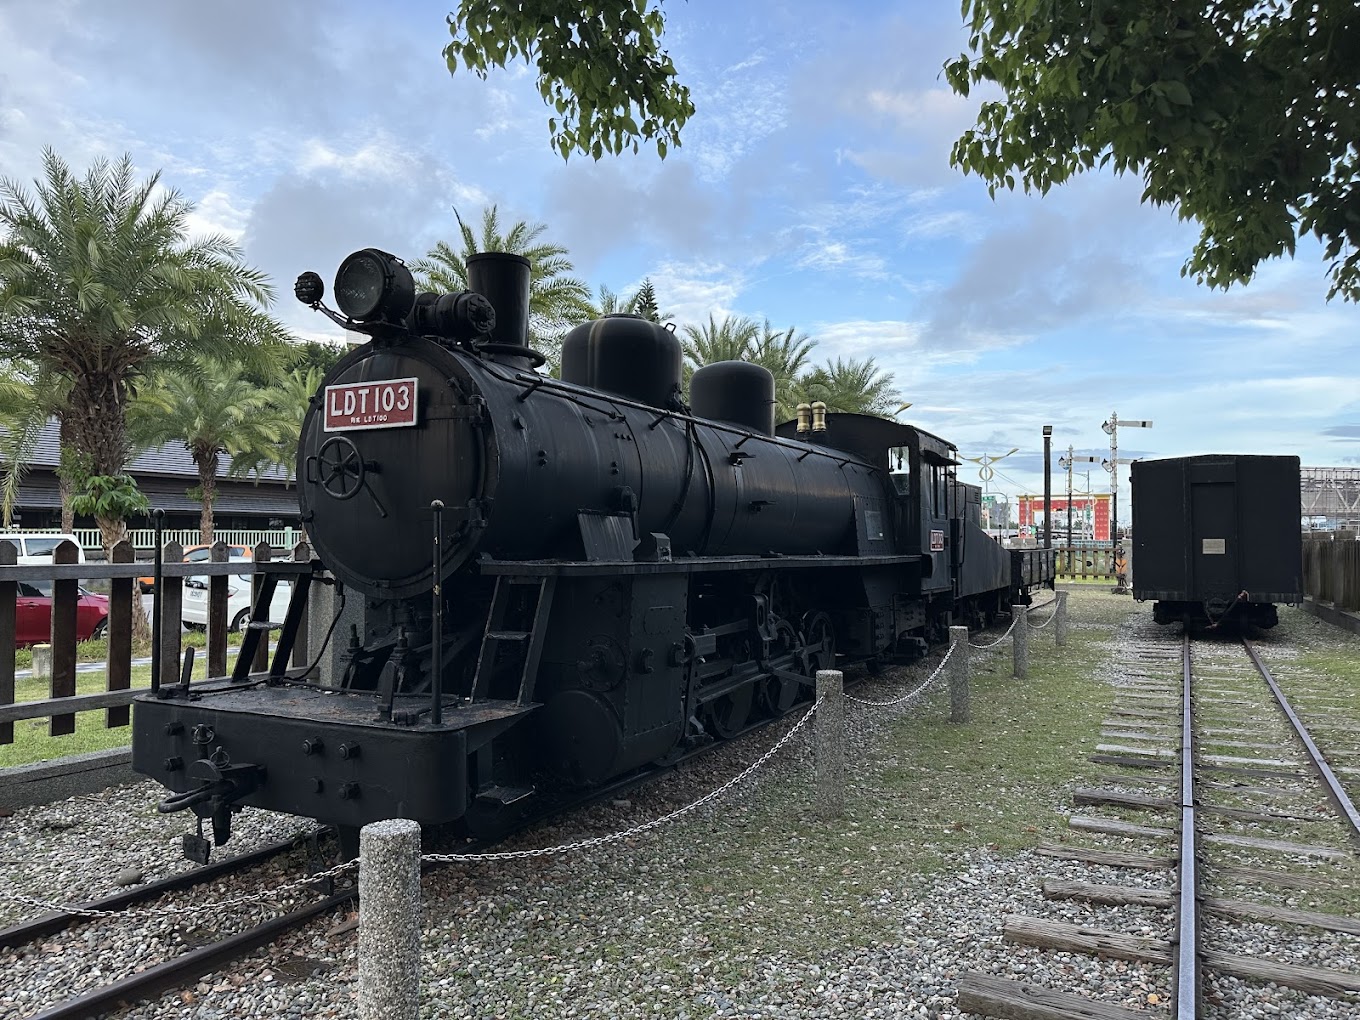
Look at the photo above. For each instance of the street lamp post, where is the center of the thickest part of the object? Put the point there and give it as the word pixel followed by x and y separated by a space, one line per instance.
pixel 1048 487
pixel 986 472
pixel 1111 428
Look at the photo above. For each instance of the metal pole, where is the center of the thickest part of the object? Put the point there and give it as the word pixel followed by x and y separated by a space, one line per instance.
pixel 437 614
pixel 1114 486
pixel 1048 486
pixel 158 522
pixel 1069 499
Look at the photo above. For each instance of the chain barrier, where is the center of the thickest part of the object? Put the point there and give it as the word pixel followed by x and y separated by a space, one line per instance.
pixel 636 830
pixel 939 670
pixel 504 855
pixel 187 908
pixel 993 644
pixel 1052 614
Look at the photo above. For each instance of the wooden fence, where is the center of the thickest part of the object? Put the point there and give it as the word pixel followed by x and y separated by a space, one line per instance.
pixel 1331 569
pixel 1085 564
pixel 121 572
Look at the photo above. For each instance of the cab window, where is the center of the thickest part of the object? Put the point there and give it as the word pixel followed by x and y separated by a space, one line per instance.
pixel 899 469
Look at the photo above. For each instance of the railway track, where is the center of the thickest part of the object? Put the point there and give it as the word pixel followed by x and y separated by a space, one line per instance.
pixel 1211 763
pixel 189 966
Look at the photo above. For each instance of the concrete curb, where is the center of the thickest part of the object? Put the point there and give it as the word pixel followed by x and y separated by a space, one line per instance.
pixel 48 781
pixel 1328 612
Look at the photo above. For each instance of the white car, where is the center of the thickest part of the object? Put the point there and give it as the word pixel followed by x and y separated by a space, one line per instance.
pixel 195 607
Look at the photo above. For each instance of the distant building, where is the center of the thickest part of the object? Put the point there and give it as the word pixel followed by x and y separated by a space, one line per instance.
pixel 1090 516
pixel 164 475
pixel 1329 498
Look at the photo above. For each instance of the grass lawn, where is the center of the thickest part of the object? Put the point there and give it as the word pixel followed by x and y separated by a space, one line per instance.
pixel 31 740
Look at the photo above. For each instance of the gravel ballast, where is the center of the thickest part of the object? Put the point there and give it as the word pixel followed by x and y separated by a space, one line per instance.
pixel 750 907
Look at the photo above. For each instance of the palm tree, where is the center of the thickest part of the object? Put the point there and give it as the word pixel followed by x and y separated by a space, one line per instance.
pixel 642 302
pixel 784 354
pixel 610 303
pixel 212 411
pixel 100 287
pixel 28 400
pixel 287 400
pixel 557 300
pixel 729 340
pixel 853 386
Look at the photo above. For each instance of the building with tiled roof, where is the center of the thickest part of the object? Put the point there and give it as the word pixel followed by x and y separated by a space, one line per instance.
pixel 164 475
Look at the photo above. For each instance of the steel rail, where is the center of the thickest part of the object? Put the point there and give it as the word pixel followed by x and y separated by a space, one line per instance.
pixel 1343 803
pixel 187 966
pixel 49 924
pixel 1187 921
pixel 194 964
pixel 205 959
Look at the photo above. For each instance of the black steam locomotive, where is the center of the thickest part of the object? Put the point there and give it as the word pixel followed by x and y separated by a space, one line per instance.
pixel 563 581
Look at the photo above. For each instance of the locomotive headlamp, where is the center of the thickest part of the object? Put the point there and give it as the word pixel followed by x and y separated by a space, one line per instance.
pixel 373 285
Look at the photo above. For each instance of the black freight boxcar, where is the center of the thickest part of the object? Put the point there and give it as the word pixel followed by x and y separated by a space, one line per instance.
pixel 1217 538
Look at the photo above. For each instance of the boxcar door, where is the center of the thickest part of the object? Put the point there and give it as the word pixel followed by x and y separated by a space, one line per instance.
pixel 1213 517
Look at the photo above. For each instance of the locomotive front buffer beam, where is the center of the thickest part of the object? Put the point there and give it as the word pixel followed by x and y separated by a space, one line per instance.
pixel 315 752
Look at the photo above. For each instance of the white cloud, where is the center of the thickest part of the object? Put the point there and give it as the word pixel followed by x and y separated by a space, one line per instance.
pixel 218 212
pixel 694 290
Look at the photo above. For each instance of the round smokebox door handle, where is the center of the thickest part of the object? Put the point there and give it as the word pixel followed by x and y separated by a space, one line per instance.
pixel 341 467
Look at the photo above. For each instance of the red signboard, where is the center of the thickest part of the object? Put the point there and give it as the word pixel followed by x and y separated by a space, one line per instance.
pixel 389 404
pixel 1090 515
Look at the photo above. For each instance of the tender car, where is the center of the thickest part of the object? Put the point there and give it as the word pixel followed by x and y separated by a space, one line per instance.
pixel 33 614
pixel 195 606
pixel 201 554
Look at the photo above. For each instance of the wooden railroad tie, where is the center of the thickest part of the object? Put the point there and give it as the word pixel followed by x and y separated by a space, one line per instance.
pixel 1059 935
pixel 987 995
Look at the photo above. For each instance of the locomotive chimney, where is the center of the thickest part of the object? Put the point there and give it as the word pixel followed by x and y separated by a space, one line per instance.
pixel 503 279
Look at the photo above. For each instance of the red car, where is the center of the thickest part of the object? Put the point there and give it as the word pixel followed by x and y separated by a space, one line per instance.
pixel 33 614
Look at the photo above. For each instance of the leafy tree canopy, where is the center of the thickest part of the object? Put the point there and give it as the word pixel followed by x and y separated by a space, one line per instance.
pixel 557 300
pixel 600 67
pixel 1242 114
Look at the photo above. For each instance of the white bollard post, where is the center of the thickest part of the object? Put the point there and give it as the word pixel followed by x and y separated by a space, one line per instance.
pixel 389 920
pixel 1060 621
pixel 42 662
pixel 829 743
pixel 959 707
pixel 1020 641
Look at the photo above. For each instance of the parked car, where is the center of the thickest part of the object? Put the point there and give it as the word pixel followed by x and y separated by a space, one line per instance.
pixel 201 554
pixel 195 606
pixel 38 548
pixel 33 614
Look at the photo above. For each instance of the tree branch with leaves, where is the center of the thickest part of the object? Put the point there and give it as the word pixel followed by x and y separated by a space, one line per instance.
pixel 600 67
pixel 1242 114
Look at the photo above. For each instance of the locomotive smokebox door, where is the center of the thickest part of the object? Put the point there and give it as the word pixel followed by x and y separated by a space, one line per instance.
pixel 394 430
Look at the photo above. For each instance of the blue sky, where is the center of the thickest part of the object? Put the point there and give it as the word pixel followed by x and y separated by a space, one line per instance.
pixel 813 188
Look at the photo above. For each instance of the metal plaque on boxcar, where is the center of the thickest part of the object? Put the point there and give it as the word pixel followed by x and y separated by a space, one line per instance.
pixel 1215 547
pixel 937 541
pixel 388 404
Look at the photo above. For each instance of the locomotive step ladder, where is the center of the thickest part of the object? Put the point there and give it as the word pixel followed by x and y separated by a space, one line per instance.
pixel 501 623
